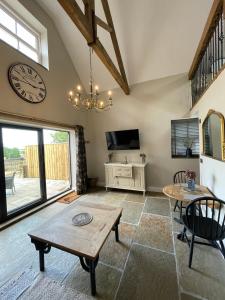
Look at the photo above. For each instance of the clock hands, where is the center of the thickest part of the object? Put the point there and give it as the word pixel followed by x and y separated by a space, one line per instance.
pixel 27 82
pixel 36 87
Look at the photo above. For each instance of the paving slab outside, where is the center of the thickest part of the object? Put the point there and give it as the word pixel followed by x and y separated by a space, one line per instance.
pixel 27 190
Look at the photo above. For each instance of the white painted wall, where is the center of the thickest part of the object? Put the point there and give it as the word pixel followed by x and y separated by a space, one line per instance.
pixel 150 107
pixel 212 171
pixel 59 79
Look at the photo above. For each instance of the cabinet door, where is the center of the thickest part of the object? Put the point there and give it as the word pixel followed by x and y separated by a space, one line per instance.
pixel 123 182
pixel 109 177
pixel 139 177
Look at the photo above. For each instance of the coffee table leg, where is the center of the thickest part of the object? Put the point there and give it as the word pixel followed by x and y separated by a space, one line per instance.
pixel 92 277
pixel 116 229
pixel 43 249
pixel 89 266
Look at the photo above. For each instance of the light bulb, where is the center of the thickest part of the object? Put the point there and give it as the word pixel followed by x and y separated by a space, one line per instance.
pixel 79 88
pixel 70 93
pixel 96 87
pixel 76 100
pixel 110 93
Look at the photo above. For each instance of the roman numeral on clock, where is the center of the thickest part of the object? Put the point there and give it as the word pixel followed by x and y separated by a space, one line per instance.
pixel 23 93
pixel 17 85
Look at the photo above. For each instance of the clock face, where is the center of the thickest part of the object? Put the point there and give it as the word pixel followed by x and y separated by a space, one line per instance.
pixel 27 83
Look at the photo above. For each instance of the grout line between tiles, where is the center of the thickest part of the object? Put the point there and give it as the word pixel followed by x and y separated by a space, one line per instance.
pixel 142 211
pixel 128 255
pixel 153 248
pixel 135 224
pixel 192 295
pixel 110 266
pixel 141 203
pixel 174 249
pixel 146 213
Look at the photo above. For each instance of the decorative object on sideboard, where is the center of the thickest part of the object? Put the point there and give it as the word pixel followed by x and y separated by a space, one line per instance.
pixel 188 142
pixel 110 155
pixel 143 157
pixel 91 100
pixel 191 175
pixel 27 83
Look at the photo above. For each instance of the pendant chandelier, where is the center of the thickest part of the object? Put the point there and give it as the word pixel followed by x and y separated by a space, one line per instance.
pixel 93 100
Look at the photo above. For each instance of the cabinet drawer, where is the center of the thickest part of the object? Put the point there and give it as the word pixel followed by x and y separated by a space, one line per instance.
pixel 123 171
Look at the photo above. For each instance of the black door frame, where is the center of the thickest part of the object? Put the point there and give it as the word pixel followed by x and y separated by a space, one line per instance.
pixel 4 216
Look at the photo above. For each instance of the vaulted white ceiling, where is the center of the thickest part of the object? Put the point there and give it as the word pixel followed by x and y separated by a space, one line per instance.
pixel 157 38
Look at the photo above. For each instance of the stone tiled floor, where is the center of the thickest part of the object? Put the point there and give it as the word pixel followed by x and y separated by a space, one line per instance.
pixel 148 263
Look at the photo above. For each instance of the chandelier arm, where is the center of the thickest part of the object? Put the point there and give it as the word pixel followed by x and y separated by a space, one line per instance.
pixel 91 73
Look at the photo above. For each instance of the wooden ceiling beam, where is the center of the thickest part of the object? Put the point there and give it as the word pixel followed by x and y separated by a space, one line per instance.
pixel 103 24
pixel 224 9
pixel 80 20
pixel 109 19
pixel 107 61
pixel 87 26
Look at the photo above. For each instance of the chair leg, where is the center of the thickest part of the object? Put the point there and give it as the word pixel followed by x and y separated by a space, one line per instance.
pixel 191 250
pixel 175 206
pixel 181 211
pixel 222 248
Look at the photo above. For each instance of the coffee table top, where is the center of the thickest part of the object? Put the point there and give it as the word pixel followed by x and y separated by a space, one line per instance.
pixel 86 240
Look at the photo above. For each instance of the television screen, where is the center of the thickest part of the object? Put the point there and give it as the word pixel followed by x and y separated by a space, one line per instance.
pixel 123 140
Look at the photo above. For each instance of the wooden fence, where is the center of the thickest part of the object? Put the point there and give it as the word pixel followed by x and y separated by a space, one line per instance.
pixel 14 165
pixel 56 161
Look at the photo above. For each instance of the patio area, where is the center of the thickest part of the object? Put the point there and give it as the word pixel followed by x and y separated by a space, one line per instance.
pixel 27 190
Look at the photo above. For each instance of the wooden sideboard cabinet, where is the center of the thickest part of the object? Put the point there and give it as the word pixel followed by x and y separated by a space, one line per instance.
pixel 130 176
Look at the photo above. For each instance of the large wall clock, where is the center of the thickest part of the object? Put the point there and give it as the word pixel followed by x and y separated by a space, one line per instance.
pixel 27 83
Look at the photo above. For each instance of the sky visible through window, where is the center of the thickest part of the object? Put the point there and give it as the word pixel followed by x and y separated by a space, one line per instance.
pixel 19 35
pixel 20 138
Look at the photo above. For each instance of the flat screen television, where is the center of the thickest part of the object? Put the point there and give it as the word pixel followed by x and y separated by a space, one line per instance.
pixel 123 139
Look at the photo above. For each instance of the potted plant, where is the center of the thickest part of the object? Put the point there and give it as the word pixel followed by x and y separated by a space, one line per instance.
pixel 188 142
pixel 191 175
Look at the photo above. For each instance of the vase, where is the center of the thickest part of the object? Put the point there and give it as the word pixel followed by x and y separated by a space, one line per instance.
pixel 191 184
pixel 188 152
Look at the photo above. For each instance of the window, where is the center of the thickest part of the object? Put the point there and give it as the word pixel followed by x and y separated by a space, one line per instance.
pixel 35 166
pixel 15 32
pixel 185 138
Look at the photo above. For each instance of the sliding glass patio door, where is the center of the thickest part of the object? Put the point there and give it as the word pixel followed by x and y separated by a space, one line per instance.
pixel 22 169
pixel 34 167
pixel 57 161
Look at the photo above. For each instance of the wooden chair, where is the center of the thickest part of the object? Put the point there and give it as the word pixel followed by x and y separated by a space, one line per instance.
pixel 179 177
pixel 9 183
pixel 205 218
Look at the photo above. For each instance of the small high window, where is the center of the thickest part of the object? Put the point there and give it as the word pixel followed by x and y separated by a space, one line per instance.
pixel 20 34
pixel 185 138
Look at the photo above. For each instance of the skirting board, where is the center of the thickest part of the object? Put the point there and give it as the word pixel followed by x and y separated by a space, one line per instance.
pixel 150 188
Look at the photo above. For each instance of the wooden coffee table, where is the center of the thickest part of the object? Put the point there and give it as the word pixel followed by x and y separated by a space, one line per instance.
pixel 84 241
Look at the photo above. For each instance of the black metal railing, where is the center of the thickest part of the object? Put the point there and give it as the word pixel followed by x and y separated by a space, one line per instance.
pixel 212 59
